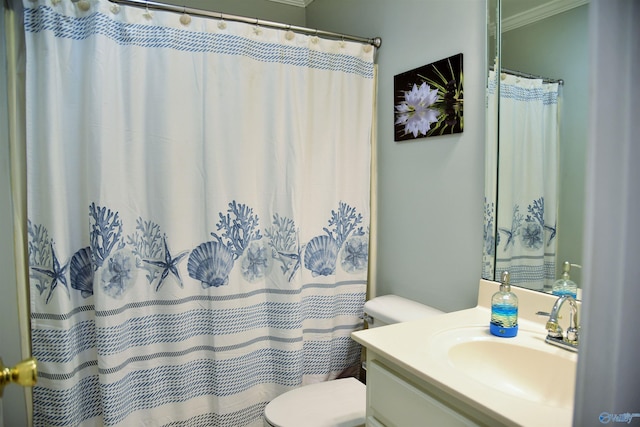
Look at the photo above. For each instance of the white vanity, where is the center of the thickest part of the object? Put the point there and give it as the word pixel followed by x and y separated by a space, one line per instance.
pixel 450 371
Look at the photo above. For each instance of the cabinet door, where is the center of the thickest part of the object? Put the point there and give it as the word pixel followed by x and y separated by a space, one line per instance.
pixel 393 402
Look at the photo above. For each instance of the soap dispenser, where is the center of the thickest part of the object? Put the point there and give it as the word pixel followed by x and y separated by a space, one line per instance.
pixel 564 285
pixel 504 310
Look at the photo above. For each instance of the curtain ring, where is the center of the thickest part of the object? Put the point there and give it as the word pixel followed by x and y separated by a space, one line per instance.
pixel 221 24
pixel 256 29
pixel 289 35
pixel 147 14
pixel 185 19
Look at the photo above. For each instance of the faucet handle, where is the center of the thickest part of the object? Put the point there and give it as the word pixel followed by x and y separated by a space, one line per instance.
pixel 572 335
pixel 554 329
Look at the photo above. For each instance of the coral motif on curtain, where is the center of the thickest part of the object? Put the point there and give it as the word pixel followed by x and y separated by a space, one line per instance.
pixel 198 199
pixel 118 258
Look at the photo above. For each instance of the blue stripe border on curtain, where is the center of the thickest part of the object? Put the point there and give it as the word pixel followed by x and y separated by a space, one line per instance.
pixel 521 94
pixel 44 18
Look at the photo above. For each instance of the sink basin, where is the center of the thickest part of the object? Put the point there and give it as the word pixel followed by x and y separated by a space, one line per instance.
pixel 523 366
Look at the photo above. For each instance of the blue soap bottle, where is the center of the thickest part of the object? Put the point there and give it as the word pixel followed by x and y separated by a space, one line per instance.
pixel 504 310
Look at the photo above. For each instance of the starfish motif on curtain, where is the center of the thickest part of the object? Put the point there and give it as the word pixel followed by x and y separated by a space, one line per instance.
pixel 553 231
pixel 57 274
pixel 169 265
pixel 297 257
pixel 510 237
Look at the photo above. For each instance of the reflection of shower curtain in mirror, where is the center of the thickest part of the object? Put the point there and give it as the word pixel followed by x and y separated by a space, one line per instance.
pixel 527 181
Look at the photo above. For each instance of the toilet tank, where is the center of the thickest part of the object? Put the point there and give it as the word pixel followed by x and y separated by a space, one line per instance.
pixel 389 309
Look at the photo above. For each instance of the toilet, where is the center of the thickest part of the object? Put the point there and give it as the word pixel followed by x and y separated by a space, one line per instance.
pixel 341 402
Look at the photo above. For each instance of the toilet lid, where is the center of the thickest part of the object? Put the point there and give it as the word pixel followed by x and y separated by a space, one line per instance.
pixel 330 403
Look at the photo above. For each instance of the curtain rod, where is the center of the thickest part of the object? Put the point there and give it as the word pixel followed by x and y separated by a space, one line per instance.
pixel 531 76
pixel 376 41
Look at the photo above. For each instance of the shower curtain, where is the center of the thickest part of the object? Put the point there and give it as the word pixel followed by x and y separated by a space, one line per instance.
pixel 525 214
pixel 198 213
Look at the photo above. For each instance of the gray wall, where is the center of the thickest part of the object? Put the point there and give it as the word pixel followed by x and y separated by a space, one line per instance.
pixel 261 9
pixel 13 398
pixel 430 189
pixel 608 377
pixel 558 47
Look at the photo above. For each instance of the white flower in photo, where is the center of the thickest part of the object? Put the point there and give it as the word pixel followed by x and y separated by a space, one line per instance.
pixel 414 111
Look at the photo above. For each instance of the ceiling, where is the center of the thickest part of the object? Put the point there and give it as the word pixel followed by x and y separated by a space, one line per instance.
pixel 517 13
pixel 300 3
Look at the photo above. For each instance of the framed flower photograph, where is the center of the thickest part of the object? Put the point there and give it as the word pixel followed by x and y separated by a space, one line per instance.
pixel 428 100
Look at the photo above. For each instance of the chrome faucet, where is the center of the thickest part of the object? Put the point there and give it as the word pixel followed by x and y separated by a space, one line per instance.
pixel 554 331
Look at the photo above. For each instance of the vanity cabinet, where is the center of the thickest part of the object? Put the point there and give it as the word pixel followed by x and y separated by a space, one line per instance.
pixel 397 399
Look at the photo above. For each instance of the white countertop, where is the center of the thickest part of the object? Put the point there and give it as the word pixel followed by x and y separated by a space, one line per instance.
pixel 412 346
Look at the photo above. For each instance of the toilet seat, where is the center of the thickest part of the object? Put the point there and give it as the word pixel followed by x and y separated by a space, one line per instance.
pixel 334 403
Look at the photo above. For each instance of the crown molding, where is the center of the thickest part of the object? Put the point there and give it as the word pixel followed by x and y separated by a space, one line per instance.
pixel 299 3
pixel 543 11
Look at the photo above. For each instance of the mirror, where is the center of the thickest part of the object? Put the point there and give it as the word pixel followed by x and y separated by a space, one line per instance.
pixel 545 38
